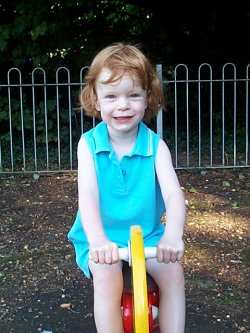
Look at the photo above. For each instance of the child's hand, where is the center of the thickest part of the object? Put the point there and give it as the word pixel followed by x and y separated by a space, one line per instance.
pixel 170 249
pixel 106 252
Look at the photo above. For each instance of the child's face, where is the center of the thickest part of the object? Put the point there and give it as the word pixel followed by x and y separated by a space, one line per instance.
pixel 122 103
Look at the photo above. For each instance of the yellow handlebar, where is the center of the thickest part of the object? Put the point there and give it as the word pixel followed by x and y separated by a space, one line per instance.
pixel 139 281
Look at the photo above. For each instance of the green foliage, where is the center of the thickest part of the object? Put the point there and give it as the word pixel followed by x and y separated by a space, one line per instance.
pixel 51 34
pixel 47 33
pixel 4 35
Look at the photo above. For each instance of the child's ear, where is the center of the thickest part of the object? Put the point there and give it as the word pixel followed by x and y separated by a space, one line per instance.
pixel 146 102
pixel 97 105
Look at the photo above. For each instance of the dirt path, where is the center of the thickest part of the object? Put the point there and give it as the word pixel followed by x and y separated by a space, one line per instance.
pixel 41 288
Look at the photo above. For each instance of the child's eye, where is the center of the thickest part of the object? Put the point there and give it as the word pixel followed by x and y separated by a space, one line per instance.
pixel 110 96
pixel 135 95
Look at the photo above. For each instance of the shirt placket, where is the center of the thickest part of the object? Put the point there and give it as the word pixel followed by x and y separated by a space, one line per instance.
pixel 120 174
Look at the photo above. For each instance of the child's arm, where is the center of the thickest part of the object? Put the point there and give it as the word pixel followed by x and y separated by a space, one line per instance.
pixel 102 250
pixel 171 246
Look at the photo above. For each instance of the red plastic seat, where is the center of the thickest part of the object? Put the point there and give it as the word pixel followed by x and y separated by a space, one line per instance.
pixel 127 302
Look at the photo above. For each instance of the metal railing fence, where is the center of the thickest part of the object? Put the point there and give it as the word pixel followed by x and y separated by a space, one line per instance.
pixel 206 123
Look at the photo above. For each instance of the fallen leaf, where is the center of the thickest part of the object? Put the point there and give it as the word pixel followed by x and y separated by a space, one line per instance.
pixel 66 306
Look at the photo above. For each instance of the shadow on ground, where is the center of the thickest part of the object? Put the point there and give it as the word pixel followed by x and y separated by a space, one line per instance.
pixel 41 288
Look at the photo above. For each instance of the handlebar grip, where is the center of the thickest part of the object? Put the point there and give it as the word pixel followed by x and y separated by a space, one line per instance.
pixel 123 253
pixel 150 252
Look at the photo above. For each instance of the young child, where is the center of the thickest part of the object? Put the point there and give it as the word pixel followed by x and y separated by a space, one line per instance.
pixel 126 177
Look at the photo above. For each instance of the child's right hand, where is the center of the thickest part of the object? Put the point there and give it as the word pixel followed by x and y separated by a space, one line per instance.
pixel 104 252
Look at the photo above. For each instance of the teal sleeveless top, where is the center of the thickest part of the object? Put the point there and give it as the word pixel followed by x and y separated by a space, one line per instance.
pixel 128 190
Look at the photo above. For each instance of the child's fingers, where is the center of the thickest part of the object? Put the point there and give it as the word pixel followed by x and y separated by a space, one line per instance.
pixel 101 256
pixel 180 255
pixel 176 255
pixel 160 254
pixel 108 256
pixel 93 255
pixel 115 254
pixel 166 255
pixel 173 255
pixel 111 254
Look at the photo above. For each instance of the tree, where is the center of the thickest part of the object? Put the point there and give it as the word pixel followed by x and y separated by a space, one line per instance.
pixel 51 33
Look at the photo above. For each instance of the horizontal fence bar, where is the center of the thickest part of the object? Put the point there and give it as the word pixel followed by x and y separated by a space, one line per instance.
pixel 77 83
pixel 63 171
pixel 206 125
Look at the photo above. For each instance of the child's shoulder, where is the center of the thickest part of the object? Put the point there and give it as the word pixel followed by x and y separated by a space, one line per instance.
pixel 159 145
pixel 97 138
pixel 98 128
pixel 94 133
pixel 147 141
pixel 148 130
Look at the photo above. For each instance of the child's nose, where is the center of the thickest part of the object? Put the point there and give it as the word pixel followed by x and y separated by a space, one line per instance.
pixel 123 103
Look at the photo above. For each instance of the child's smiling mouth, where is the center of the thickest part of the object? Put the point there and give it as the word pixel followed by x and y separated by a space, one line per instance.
pixel 123 118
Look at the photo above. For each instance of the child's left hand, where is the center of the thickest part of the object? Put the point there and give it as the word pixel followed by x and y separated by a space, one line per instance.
pixel 170 249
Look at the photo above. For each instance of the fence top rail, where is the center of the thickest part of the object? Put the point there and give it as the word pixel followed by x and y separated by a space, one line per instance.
pixel 36 70
pixel 227 67
pixel 9 85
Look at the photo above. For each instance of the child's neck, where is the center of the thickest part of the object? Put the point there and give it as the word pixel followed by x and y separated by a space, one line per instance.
pixel 122 142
